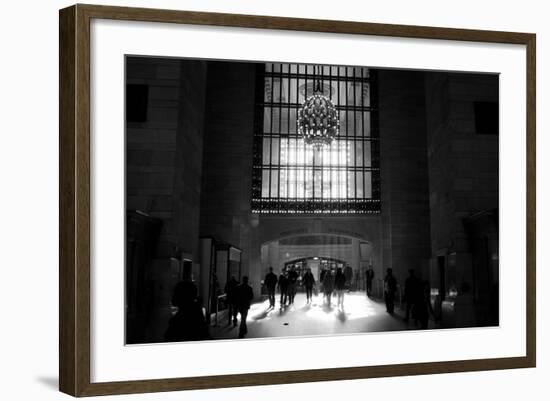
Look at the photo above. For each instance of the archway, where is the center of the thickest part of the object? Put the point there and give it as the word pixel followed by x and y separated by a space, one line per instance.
pixel 316 265
pixel 318 251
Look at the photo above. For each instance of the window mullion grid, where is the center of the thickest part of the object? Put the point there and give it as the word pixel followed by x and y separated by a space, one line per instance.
pixel 288 139
pixel 363 133
pixel 358 163
pixel 336 142
pixel 272 99
pixel 305 148
pixel 280 139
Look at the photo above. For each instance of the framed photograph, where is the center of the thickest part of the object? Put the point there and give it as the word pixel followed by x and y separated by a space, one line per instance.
pixel 250 200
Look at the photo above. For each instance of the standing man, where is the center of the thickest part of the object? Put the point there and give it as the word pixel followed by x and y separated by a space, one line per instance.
pixel 309 282
pixel 230 288
pixel 283 287
pixel 348 273
pixel 370 279
pixel 244 295
pixel 390 287
pixel 270 282
pixel 340 286
pixel 292 280
pixel 328 285
pixel 412 285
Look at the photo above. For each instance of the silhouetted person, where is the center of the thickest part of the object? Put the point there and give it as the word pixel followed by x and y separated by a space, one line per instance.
pixel 370 279
pixel 283 287
pixel 423 306
pixel 270 282
pixel 215 293
pixel 189 323
pixel 309 282
pixel 244 296
pixel 340 286
pixel 390 287
pixel 348 273
pixel 321 280
pixel 292 282
pixel 412 286
pixel 230 288
pixel 328 285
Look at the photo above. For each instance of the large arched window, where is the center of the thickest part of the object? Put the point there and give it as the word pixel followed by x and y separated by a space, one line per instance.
pixel 292 177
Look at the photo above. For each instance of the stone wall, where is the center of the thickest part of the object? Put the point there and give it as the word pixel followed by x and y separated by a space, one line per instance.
pixel 164 153
pixel 463 165
pixel 227 172
pixel 404 171
pixel 163 179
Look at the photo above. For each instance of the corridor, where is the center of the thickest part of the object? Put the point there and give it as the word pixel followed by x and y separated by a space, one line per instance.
pixel 360 314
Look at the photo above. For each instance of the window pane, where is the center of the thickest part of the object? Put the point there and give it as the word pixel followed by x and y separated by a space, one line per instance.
pixel 267 90
pixel 274 183
pixel 284 121
pixel 367 159
pixel 326 184
pixel 343 123
pixel 265 184
pixel 368 184
pixel 275 126
pixel 334 190
pixel 283 183
pixel 366 124
pixel 365 99
pixel 359 184
pixel 267 119
pixel 276 89
pixel 293 84
pixel 292 183
pixel 292 126
pixel 300 187
pixel 350 121
pixel 318 183
pixel 309 183
pixel 343 183
pixel 358 153
pixel 358 124
pixel 275 151
pixel 351 184
pixel 266 152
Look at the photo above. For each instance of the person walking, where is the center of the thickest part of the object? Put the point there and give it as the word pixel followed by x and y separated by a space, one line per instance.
pixel 189 323
pixel 370 279
pixel 340 286
pixel 422 308
pixel 348 273
pixel 321 280
pixel 292 282
pixel 412 285
pixel 390 287
pixel 328 285
pixel 244 296
pixel 309 282
pixel 232 310
pixel 283 288
pixel 270 282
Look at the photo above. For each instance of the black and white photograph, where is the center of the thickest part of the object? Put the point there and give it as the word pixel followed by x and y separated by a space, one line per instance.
pixel 274 199
pixel 242 200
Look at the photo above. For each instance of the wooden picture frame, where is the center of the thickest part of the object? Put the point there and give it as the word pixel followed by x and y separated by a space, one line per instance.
pixel 74 206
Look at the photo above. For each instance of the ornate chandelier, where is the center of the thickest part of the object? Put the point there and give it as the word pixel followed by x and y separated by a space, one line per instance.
pixel 317 119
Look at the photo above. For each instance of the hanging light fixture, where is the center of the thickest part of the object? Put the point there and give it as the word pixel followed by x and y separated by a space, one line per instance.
pixel 317 119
